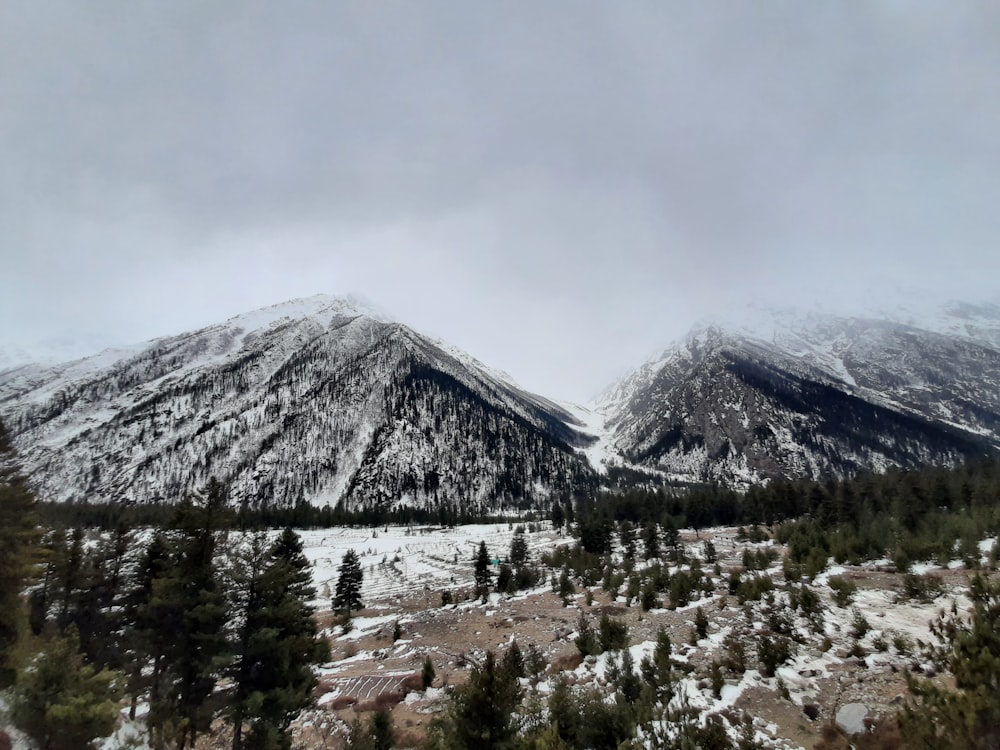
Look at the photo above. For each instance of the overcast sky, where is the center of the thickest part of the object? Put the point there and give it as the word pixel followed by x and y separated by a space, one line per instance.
pixel 561 188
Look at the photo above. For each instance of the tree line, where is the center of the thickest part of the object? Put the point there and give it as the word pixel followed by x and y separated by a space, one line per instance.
pixel 907 515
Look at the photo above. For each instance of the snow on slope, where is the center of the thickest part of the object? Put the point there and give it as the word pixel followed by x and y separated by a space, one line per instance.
pixel 789 391
pixel 311 400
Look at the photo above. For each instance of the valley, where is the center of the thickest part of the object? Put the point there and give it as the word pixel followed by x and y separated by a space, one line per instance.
pixel 831 667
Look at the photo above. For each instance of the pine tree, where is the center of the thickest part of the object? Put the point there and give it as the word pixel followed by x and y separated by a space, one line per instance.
pixel 61 702
pixel 18 539
pixel 482 711
pixel 518 549
pixel 651 540
pixel 558 516
pixel 276 644
pixel 98 607
pixel 701 623
pixel 192 599
pixel 482 571
pixel 427 674
pixel 70 578
pixel 348 594
pixel 658 672
pixel 968 717
pixel 626 534
pixel 149 623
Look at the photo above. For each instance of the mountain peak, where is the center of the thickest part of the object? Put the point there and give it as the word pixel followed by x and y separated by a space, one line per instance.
pixel 324 307
pixel 320 399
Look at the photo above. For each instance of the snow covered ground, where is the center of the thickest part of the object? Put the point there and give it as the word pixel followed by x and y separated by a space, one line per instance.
pixel 402 560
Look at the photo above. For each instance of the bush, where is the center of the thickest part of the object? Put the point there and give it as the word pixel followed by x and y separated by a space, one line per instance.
pixel 753 588
pixel 842 590
pixel 736 654
pixel 859 625
pixel 902 644
pixel 922 588
pixel 701 623
pixel 773 651
pixel 613 634
pixel 586 641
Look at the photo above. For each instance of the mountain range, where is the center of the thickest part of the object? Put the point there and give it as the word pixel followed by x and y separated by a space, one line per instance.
pixel 325 401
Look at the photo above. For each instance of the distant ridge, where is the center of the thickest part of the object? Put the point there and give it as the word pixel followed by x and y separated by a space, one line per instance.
pixel 787 394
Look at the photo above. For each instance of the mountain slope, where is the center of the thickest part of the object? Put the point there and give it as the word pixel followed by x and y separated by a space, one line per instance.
pixel 812 396
pixel 316 400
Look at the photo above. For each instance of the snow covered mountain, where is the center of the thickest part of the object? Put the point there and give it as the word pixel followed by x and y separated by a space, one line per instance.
pixel 318 400
pixel 782 394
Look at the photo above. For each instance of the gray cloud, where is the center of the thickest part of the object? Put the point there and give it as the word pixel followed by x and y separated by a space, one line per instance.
pixel 559 189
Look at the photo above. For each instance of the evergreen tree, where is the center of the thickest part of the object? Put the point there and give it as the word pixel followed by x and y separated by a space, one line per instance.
pixel 149 624
pixel 70 578
pixel 482 571
pixel 43 596
pixel 62 703
pixel 276 644
pixel 348 594
pixel 18 539
pixel 968 717
pixel 651 540
pixel 658 672
pixel 98 610
pixel 427 674
pixel 481 716
pixel 558 517
pixel 701 623
pixel 377 734
pixel 534 663
pixel 626 533
pixel 513 661
pixel 518 549
pixel 381 731
pixel 192 600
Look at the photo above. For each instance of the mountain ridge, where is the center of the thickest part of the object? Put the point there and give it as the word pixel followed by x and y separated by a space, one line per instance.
pixel 306 401
pixel 936 391
pixel 329 401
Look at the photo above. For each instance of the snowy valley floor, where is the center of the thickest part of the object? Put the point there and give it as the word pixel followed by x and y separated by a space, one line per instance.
pixel 406 571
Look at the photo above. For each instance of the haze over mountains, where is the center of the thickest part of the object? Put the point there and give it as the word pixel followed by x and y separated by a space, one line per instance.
pixel 323 400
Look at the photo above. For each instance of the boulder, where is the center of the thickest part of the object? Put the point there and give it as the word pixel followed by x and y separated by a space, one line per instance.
pixel 851 717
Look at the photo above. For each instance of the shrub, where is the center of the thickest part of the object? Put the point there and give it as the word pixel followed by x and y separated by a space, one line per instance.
pixel 613 634
pixel 382 702
pixel 842 590
pixel 753 588
pixel 736 654
pixel 902 644
pixel 923 588
pixel 586 642
pixel 772 651
pixel 859 625
pixel 701 623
